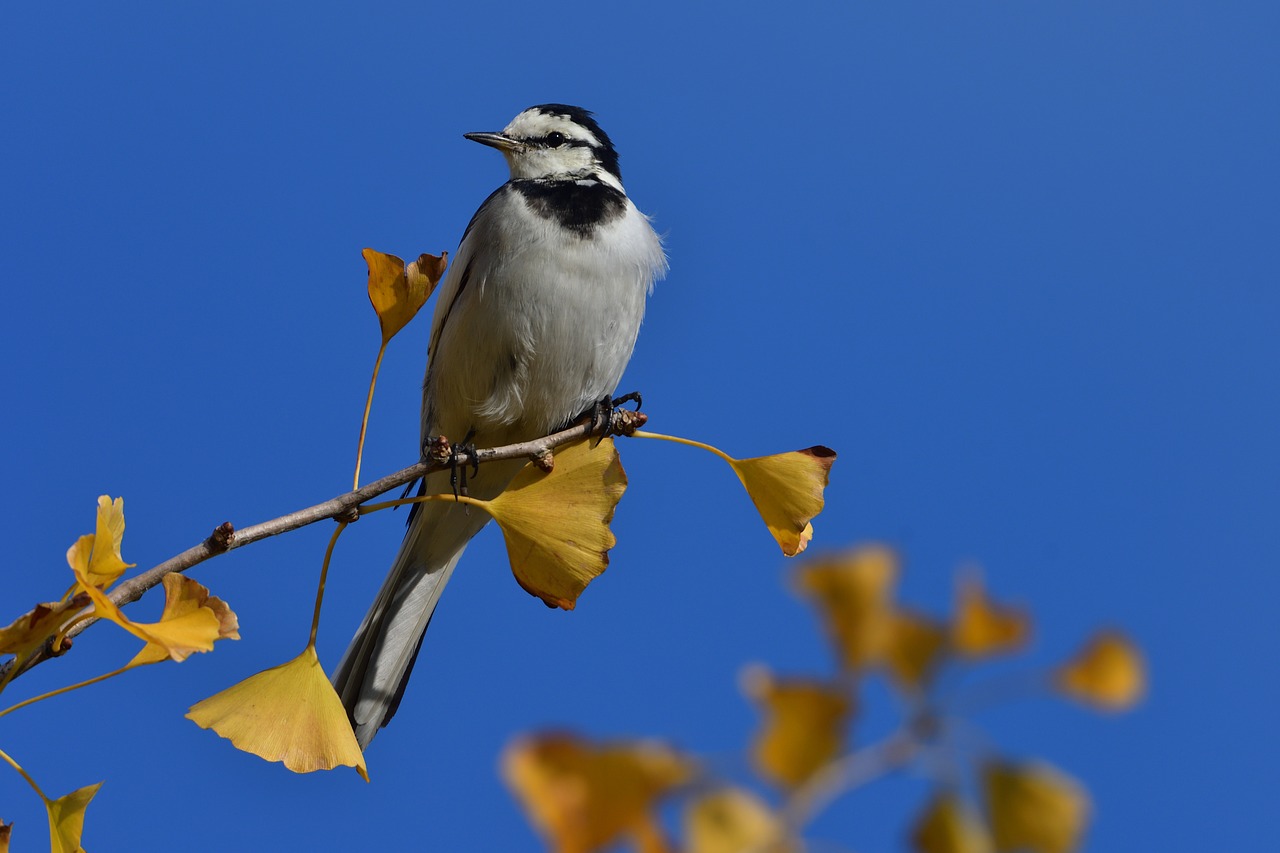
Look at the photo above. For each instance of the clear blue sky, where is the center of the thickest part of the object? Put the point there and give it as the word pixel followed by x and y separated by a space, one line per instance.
pixel 1017 263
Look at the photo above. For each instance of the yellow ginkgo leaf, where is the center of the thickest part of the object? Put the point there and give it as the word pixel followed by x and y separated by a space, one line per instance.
pixel 853 592
pixel 397 292
pixel 1108 673
pixel 732 820
pixel 66 819
pixel 916 646
pixel 803 728
pixel 1034 807
pixel 185 604
pixel 787 491
pixel 29 631
pixel 556 525
pixel 948 826
pixel 786 488
pixel 981 627
pixel 6 829
pixel 97 554
pixel 178 637
pixel 583 797
pixel 289 713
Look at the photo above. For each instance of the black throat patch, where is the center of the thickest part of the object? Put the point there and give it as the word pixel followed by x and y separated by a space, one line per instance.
pixel 581 206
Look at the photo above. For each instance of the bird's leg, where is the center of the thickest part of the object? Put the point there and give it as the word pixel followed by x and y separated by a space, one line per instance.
pixel 457 473
pixel 601 413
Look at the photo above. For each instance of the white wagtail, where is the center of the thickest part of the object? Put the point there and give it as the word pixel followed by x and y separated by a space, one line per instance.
pixel 534 323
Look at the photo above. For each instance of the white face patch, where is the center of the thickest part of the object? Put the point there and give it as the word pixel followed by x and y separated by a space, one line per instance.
pixel 535 123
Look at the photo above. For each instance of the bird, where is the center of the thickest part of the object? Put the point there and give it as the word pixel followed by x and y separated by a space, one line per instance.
pixel 534 323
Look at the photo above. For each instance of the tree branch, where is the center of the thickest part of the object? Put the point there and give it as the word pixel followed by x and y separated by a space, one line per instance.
pixel 225 538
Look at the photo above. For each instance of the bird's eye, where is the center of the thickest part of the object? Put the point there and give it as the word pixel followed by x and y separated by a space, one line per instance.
pixel 555 139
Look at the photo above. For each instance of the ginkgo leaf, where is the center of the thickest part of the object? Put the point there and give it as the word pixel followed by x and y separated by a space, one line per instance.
pixel 66 819
pixel 981 627
pixel 948 826
pixel 583 797
pixel 179 638
pixel 804 725
pixel 786 488
pixel 29 631
pixel 6 829
pixel 1108 673
pixel 289 713
pixel 915 647
pixel 556 525
pixel 732 820
pixel 397 292
pixel 97 554
pixel 185 604
pixel 1034 807
pixel 787 491
pixel 853 592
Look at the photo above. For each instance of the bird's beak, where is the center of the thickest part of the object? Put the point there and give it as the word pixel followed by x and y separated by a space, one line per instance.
pixel 494 140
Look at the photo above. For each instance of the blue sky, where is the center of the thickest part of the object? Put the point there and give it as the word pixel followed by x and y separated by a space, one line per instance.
pixel 1017 263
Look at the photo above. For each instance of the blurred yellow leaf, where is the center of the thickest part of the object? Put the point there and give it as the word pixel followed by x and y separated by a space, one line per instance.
pixel 584 797
pixel 1108 673
pixel 6 829
pixel 556 525
pixel 915 647
pixel 26 633
pixel 177 638
pixel 1034 807
pixel 66 819
pixel 397 292
pixel 803 729
pixel 731 820
pixel 97 555
pixel 289 713
pixel 983 628
pixel 947 826
pixel 185 604
pixel 787 491
pixel 853 592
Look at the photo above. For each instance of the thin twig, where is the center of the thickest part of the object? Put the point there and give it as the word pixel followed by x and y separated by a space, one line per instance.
pixel 225 539
pixel 849 772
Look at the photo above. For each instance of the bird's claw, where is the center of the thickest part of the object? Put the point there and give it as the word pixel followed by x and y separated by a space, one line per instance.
pixel 602 414
pixel 458 473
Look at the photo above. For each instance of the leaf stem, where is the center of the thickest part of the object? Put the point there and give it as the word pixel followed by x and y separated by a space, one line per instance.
pixel 34 699
pixel 324 575
pixel 462 499
pixel 678 440
pixel 368 405
pixel 16 766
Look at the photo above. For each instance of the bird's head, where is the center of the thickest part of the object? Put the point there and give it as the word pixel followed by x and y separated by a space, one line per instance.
pixel 556 142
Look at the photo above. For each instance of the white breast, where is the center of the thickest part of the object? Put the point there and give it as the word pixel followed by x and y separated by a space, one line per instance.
pixel 534 323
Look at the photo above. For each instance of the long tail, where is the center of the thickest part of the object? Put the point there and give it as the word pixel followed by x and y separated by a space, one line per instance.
pixel 373 672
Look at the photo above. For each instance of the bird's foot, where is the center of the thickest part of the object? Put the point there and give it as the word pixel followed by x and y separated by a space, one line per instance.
pixel 601 414
pixel 457 472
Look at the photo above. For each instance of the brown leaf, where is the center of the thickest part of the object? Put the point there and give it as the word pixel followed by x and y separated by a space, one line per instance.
pixel 917 644
pixel 804 725
pixel 983 628
pixel 853 593
pixel 733 820
pixel 398 293
pixel 947 826
pixel 583 797
pixel 1108 673
pixel 1035 807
